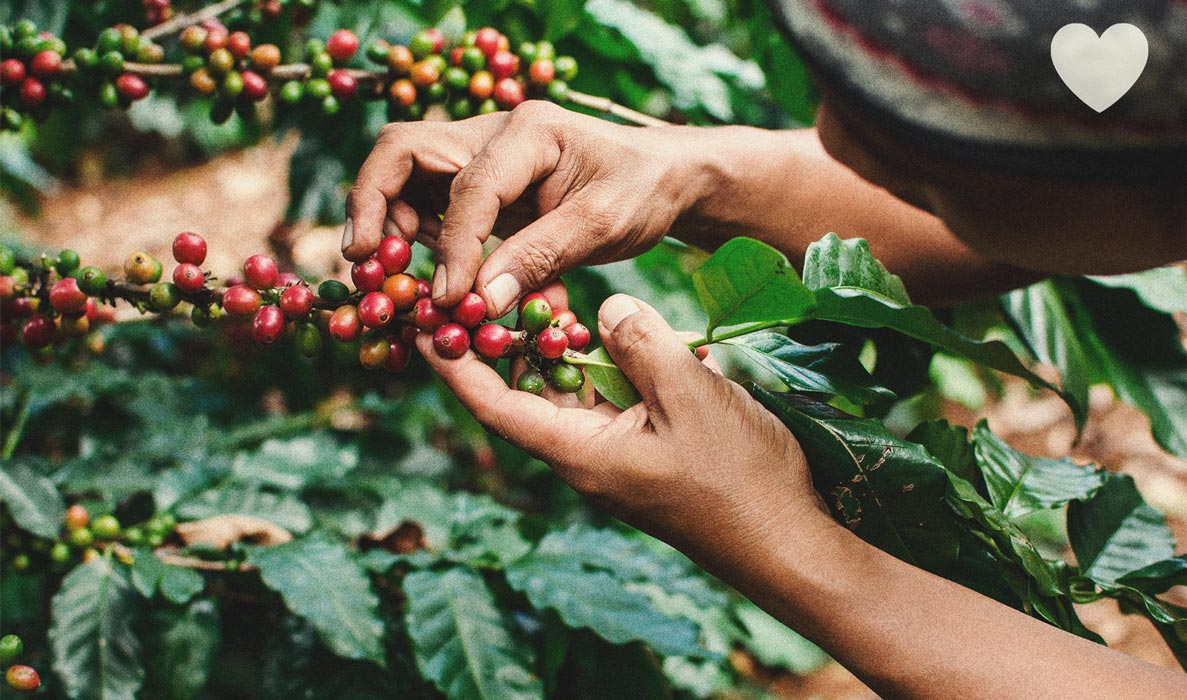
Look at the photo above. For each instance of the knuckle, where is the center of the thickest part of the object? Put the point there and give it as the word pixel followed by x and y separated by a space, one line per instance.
pixel 392 132
pixel 539 262
pixel 474 179
pixel 635 333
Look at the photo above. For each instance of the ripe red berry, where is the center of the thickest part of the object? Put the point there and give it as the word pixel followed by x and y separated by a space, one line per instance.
pixel 408 333
pixel 402 92
pixel 542 71
pixel 436 37
pixel 376 310
pixel 397 356
pixel 288 279
pixel 22 678
pixel 552 343
pixel 241 300
pixel 46 64
pixel 344 324
pixel 487 39
pixel 12 72
pixel 402 290
pixel 216 38
pixel 503 64
pixel 255 88
pixel 131 86
pixel 32 93
pixel 239 44
pixel 189 248
pixel 297 301
pixel 37 332
pixel 563 318
pixel 268 325
pixel 77 517
pixel 508 93
pixel 578 336
pixel 429 317
pixel 188 277
pixel 451 341
pixel 65 296
pixel 470 311
pixel 492 341
pixel 342 45
pixel 394 254
pixel 455 56
pixel 342 84
pixel 260 271
pixel 423 290
pixel 367 275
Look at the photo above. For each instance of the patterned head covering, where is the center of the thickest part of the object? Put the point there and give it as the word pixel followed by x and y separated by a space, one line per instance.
pixel 974 81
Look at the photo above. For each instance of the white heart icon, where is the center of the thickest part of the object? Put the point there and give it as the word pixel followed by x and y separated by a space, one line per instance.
pixel 1099 69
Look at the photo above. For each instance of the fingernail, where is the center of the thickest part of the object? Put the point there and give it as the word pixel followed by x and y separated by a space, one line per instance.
pixel 503 291
pixel 615 309
pixel 439 286
pixel 390 228
pixel 348 234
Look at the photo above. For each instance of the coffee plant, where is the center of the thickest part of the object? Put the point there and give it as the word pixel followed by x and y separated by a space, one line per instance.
pixel 250 487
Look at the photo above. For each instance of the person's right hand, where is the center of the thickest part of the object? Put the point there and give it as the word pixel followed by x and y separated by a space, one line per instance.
pixel 573 190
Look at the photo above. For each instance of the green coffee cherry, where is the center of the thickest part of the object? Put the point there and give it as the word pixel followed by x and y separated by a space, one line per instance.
pixel 307 339
pixel 330 106
pixel 91 280
pixel 7 260
pixel 11 649
pixel 106 527
pixel 134 536
pixel 81 537
pixel 532 382
pixel 566 67
pixel 568 378
pixel 333 290
pixel 536 315
pixel 67 262
pixel 60 553
pixel 292 92
pixel 317 89
pixel 558 91
pixel 321 65
pixel 164 296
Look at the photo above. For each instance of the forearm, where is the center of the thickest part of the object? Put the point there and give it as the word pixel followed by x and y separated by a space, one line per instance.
pixel 781 187
pixel 912 635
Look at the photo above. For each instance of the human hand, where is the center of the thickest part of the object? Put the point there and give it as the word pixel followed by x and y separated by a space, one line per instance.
pixel 698 463
pixel 573 189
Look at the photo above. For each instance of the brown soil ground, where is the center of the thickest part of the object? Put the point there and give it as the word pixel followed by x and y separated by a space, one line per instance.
pixel 237 201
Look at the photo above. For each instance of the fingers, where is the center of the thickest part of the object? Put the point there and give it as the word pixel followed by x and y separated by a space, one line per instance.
pixel 651 354
pixel 514 159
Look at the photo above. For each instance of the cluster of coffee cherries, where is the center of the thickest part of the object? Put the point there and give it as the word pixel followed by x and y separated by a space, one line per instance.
pixel 224 64
pixel 114 47
pixel 157 11
pixel 327 83
pixel 31 74
pixel 18 676
pixel 49 299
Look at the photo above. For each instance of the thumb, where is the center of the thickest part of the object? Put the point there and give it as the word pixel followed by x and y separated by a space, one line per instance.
pixel 649 352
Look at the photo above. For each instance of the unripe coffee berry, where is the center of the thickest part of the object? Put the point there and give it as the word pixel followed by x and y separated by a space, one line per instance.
pixel 22 678
pixel 374 350
pixel 470 311
pixel 398 355
pixel 59 553
pixel 400 59
pixel 11 649
pixel 578 336
pixel 552 343
pixel 536 315
pixel 451 341
pixel 192 38
pixel 345 325
pixel 367 275
pixel 402 290
pixel 394 253
pixel 265 57
pixel 376 310
pixel 142 268
pixel 482 84
pixel 260 271
pixel 268 325
pixel 106 527
pixel 37 332
pixel 307 338
pixel 423 74
pixel 76 517
pixel 342 45
pixel 493 341
pixel 296 301
pixel 74 326
pixel 189 248
pixel 66 296
pixel 402 92
pixel 568 378
pixel 188 277
pixel 220 62
pixel 241 301
pixel 81 537
pixel 164 296
pixel 342 84
pixel 428 316
pixel 333 290
pixel 532 296
pixel 532 382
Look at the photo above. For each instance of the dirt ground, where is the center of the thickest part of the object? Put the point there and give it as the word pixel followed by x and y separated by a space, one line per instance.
pixel 237 201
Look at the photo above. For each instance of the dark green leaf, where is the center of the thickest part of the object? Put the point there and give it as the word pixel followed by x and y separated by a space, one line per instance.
pixel 833 262
pixel 180 649
pixel 949 444
pixel 1164 288
pixel 610 382
pixel 95 653
pixel 818 369
pixel 462 643
pixel 1116 531
pixel 1158 577
pixel 320 581
pixel 236 497
pixel 613 671
pixel 32 499
pixel 297 462
pixel 749 282
pixel 1019 483
pixel 179 584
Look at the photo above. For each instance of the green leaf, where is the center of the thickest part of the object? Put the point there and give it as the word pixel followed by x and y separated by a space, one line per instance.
pixel 775 644
pixel 1117 532
pixel 749 282
pixel 237 497
pixel 180 650
pixel 611 671
pixel 320 581
pixel 179 584
pixel 833 262
pixel 147 571
pixel 297 462
pixel 818 369
pixel 1019 483
pixel 554 577
pixel 949 444
pixel 610 382
pixel 888 491
pixel 1164 288
pixel 462 643
pixel 95 652
pixel 1158 577
pixel 32 499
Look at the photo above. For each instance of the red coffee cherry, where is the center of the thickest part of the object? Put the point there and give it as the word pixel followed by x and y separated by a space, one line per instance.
pixel 23 678
pixel 288 279
pixel 241 300
pixel 563 318
pixel 342 84
pixel 297 301
pixel 451 341
pixel 552 343
pixel 487 39
pixel 455 56
pixel 77 517
pixel 131 86
pixel 65 296
pixel 216 38
pixel 189 248
pixel 265 57
pixel 376 310
pixel 398 355
pixel 268 325
pixel 32 93
pixel 239 44
pixel 503 64
pixel 493 341
pixel 260 271
pixel 435 36
pixel 367 275
pixel 508 93
pixel 408 333
pixel 37 333
pixel 188 277
pixel 424 73
pixel 429 317
pixel 12 72
pixel 423 290
pixel 46 65
pixel 402 290
pixel 470 311
pixel 578 336
pixel 344 324
pixel 255 88
pixel 342 45
pixel 402 92
pixel 394 254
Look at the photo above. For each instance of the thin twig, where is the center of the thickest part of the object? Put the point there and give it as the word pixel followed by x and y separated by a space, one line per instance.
pixel 17 430
pixel 182 20
pixel 608 106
